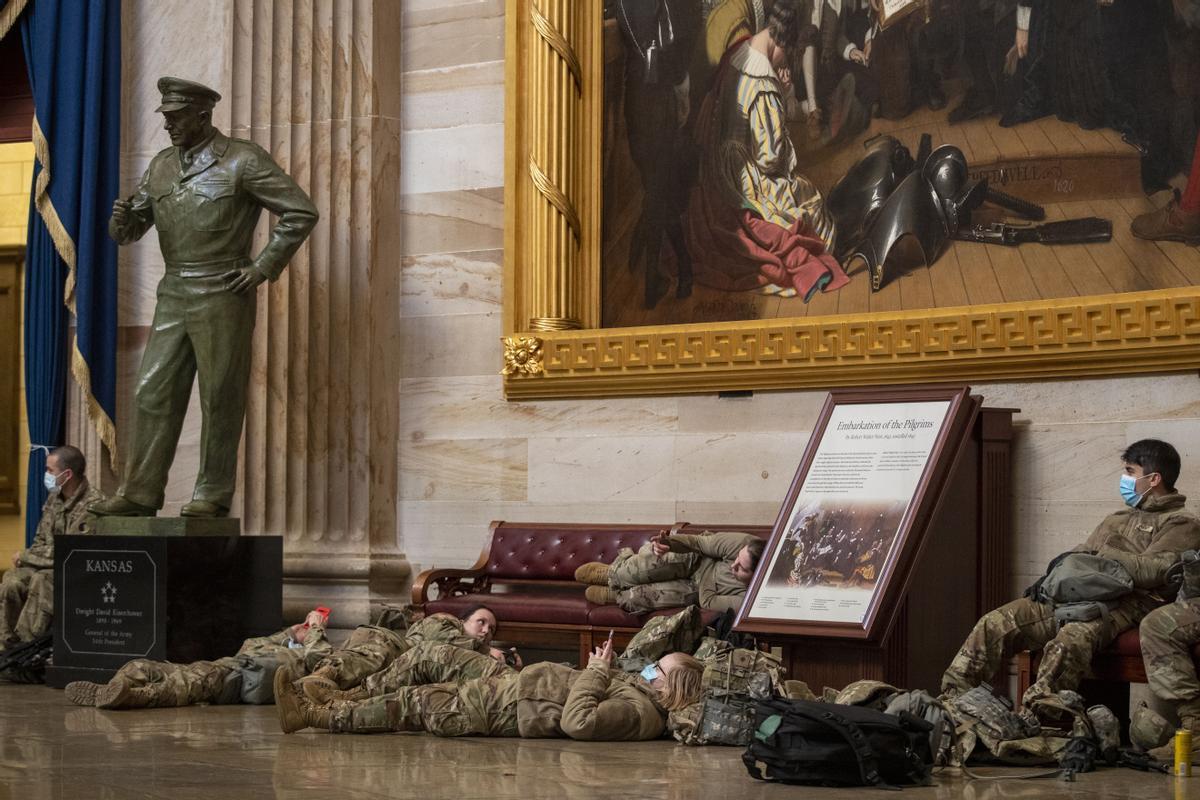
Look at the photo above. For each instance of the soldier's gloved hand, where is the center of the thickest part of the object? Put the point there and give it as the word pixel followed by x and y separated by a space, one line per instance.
pixel 242 280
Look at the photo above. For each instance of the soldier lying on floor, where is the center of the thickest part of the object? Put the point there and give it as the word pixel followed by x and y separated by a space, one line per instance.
pixel 372 648
pixel 543 700
pixel 245 677
pixel 711 570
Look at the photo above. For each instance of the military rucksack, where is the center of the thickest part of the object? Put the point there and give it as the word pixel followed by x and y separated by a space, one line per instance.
pixel 1083 586
pixel 734 680
pixel 797 741
pixel 677 633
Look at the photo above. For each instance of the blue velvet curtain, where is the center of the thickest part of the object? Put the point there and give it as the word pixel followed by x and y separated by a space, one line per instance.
pixel 73 53
pixel 46 344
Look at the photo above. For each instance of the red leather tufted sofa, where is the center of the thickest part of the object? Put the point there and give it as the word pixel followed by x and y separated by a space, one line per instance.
pixel 526 575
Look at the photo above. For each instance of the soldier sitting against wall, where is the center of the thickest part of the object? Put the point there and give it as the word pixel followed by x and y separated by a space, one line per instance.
pixel 711 570
pixel 1168 635
pixel 27 589
pixel 371 649
pixel 244 677
pixel 544 700
pixel 1146 539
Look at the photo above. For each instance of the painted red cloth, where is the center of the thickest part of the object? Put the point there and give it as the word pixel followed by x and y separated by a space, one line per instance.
pixel 1191 195
pixel 734 249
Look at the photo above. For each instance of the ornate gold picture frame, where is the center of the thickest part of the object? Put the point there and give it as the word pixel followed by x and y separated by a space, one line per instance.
pixel 554 346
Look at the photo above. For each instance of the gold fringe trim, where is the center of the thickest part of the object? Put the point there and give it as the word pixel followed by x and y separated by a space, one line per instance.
pixel 41 198
pixel 65 246
pixel 99 418
pixel 8 15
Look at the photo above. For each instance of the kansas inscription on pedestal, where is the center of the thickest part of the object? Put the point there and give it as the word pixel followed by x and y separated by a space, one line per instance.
pixel 111 602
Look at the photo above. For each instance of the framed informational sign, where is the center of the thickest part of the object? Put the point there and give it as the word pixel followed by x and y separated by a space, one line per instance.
pixel 892 11
pixel 851 524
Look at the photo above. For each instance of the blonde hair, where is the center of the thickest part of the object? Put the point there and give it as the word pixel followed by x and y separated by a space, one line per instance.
pixel 681 686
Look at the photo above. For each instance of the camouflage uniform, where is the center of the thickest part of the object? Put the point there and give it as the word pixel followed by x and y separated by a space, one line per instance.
pixel 433 662
pixel 1168 635
pixel 27 590
pixel 696 571
pixel 159 684
pixel 371 648
pixel 1146 540
pixel 544 700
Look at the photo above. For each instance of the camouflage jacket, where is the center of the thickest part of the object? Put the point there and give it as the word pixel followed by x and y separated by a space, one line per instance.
pixel 716 586
pixel 315 646
pixel 445 629
pixel 1148 539
pixel 592 704
pixel 61 515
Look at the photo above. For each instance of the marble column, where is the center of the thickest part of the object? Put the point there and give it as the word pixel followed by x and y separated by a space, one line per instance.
pixel 317 83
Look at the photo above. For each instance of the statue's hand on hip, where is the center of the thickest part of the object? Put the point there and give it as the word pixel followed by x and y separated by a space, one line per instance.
pixel 240 281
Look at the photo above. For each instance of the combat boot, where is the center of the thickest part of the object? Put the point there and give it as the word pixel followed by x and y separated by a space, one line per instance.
pixel 594 573
pixel 120 694
pixel 310 685
pixel 600 595
pixel 295 710
pixel 323 693
pixel 82 693
pixel 1166 753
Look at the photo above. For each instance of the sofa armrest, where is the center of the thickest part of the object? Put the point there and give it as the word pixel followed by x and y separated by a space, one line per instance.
pixel 448 583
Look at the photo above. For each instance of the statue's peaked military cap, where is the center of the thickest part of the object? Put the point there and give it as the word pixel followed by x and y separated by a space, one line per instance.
pixel 178 93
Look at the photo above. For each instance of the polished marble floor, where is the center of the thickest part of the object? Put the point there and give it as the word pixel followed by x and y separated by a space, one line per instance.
pixel 51 749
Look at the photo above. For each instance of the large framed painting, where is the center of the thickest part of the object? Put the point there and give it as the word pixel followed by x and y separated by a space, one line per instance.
pixel 706 195
pixel 853 520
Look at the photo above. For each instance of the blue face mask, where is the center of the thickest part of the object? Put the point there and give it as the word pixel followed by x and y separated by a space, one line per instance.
pixel 1129 492
pixel 649 673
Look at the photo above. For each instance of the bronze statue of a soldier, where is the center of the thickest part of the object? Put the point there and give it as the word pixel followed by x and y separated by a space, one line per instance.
pixel 204 194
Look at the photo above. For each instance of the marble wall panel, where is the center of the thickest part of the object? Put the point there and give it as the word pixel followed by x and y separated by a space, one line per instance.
pixel 764 411
pixel 464 469
pixel 474 407
pixel 450 222
pixel 472 94
pixel 450 159
pixel 1068 462
pixel 450 283
pixel 1116 399
pixel 447 34
pixel 713 512
pixel 463 344
pixel 595 469
pixel 737 467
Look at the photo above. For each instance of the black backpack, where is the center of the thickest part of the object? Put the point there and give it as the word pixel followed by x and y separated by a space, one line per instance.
pixel 800 741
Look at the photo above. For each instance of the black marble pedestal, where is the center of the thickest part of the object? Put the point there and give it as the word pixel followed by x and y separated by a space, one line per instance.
pixel 176 596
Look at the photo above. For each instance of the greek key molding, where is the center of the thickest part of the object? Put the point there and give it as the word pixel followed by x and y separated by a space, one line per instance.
pixel 1148 331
